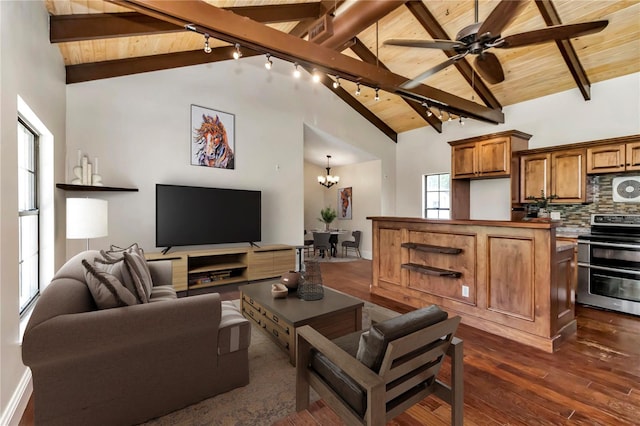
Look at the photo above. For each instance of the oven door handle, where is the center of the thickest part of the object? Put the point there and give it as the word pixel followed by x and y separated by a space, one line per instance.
pixel 631 246
pixel 604 268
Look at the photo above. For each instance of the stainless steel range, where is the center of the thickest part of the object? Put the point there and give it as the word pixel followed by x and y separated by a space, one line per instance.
pixel 609 263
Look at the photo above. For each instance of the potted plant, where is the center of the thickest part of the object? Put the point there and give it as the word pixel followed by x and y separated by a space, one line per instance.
pixel 327 215
pixel 542 202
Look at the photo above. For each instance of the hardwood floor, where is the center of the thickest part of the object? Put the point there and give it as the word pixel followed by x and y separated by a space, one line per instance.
pixel 593 379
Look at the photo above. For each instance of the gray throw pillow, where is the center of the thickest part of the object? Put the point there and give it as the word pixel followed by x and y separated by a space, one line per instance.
pixel 140 272
pixel 107 291
pixel 116 252
pixel 120 270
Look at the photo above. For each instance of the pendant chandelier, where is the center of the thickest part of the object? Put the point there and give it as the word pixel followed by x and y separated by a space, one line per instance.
pixel 328 180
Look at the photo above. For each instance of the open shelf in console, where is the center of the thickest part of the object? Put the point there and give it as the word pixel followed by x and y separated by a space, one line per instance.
pixel 211 268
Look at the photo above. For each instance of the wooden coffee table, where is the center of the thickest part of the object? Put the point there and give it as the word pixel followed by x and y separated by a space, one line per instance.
pixel 334 315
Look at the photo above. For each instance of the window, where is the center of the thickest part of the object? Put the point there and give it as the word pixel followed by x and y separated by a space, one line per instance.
pixel 436 196
pixel 29 215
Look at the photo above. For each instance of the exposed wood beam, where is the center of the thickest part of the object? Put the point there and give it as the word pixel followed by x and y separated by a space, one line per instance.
pixel 366 55
pixel 551 17
pixel 232 28
pixel 356 105
pixel 435 30
pixel 326 7
pixel 119 67
pixel 92 26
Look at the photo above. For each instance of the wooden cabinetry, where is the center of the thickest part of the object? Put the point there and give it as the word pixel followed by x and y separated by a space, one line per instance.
pixel 507 278
pixel 613 158
pixel 535 171
pixel 559 173
pixel 568 177
pixel 206 268
pixel 485 158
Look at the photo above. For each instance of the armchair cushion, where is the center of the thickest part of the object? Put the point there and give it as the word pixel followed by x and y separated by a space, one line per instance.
pixel 106 289
pixel 352 393
pixel 373 343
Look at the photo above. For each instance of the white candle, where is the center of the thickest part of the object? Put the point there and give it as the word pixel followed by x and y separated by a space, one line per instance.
pixel 95 165
pixel 79 158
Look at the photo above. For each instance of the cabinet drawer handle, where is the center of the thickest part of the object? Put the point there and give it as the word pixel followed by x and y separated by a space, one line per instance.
pixel 275 333
pixel 275 318
pixel 262 323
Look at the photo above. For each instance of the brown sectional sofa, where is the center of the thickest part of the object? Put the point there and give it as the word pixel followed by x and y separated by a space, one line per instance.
pixel 129 364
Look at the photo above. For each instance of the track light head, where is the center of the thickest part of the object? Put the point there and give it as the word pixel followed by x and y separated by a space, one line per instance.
pixel 377 97
pixel 207 48
pixel 357 89
pixel 268 64
pixel 316 76
pixel 461 121
pixel 296 71
pixel 336 83
pixel 237 54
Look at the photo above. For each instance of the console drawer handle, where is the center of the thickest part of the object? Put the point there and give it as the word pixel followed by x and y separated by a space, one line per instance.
pixel 275 318
pixel 275 333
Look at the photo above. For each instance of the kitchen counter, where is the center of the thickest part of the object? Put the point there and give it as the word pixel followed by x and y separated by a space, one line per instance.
pixel 513 279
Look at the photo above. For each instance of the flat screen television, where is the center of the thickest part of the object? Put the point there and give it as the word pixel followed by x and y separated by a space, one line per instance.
pixel 192 215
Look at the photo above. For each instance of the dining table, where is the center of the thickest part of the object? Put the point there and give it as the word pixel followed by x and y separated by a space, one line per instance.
pixel 333 238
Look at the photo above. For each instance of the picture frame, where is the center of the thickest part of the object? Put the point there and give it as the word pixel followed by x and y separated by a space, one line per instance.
pixel 345 203
pixel 212 138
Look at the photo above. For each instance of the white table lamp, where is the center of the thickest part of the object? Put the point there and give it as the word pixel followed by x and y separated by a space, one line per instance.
pixel 87 218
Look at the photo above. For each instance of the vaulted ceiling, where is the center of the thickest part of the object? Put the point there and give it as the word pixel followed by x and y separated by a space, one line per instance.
pixel 104 39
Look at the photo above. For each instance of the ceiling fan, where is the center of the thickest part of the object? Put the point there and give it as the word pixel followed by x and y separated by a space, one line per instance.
pixel 477 38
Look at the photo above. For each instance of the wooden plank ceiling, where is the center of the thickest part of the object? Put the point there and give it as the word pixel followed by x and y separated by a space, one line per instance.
pixel 103 39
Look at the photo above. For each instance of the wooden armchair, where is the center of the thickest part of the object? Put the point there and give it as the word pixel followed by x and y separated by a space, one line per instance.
pixel 370 378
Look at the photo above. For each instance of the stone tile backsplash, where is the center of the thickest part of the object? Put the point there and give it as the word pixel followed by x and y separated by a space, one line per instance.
pixel 579 215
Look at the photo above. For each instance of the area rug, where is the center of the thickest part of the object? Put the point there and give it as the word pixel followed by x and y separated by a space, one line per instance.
pixel 269 396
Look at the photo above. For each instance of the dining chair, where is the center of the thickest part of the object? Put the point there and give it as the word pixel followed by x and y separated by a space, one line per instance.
pixel 308 244
pixel 355 244
pixel 321 243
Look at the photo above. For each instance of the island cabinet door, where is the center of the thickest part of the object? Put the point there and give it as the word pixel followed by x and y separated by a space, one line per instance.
pixel 389 257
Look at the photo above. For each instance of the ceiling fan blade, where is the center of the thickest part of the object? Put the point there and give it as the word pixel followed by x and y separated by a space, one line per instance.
pixel 556 32
pixel 429 44
pixel 489 67
pixel 416 80
pixel 503 15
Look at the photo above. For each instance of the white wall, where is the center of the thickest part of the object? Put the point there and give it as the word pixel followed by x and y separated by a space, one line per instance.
pixel 562 118
pixel 138 127
pixel 32 68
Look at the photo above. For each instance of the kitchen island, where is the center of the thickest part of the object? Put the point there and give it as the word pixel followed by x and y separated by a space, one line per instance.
pixel 507 278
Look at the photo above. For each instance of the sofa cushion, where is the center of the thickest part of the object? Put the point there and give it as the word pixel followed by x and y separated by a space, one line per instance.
pixel 162 293
pixel 140 272
pixel 119 269
pixel 373 343
pixel 234 333
pixel 106 289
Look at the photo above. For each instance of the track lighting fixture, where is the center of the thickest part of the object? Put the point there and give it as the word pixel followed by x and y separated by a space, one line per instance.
pixel 440 114
pixel 336 83
pixel 377 97
pixel 316 76
pixel 296 71
pixel 268 64
pixel 237 54
pixel 207 48
pixel 449 116
pixel 460 121
pixel 426 105
pixel 357 89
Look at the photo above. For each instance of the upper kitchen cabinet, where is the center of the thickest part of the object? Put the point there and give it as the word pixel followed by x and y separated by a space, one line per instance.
pixel 611 158
pixel 487 156
pixel 558 173
pixel 568 178
pixel 535 175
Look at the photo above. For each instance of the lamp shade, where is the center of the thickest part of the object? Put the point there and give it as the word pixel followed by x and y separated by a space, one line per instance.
pixel 87 218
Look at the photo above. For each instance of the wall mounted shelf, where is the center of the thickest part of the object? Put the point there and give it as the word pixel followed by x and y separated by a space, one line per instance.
pixel 70 187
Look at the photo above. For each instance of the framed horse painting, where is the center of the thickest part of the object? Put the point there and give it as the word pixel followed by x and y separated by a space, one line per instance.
pixel 344 203
pixel 212 138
